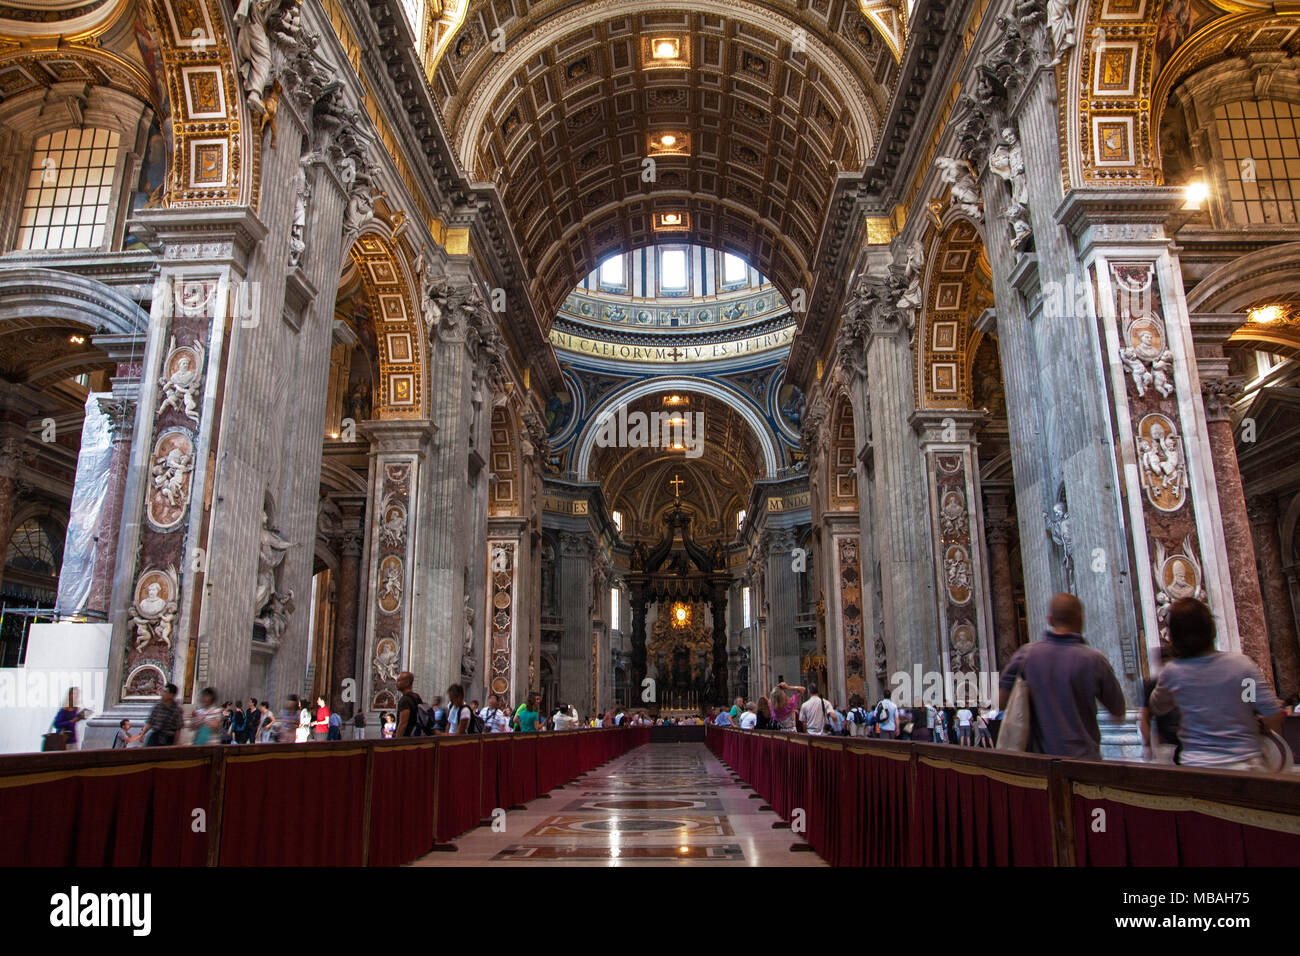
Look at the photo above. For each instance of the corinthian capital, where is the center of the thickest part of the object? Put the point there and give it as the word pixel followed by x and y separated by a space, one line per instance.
pixel 536 442
pixel 1219 394
pixel 452 309
pixel 810 433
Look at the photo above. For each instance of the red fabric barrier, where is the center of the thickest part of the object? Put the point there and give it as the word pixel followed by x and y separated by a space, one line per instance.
pixel 401 804
pixel 1142 836
pixel 523 768
pixel 135 815
pixel 977 819
pixel 494 791
pixel 287 809
pixel 794 795
pixel 824 786
pixel 877 835
pixel 458 783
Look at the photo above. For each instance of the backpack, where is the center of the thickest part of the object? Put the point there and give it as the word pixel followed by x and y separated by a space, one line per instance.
pixel 475 723
pixel 426 722
pixel 882 713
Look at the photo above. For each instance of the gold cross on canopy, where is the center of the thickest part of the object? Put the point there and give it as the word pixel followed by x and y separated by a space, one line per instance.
pixel 677 485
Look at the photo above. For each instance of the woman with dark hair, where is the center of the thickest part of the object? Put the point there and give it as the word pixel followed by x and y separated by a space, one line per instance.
pixel 1223 702
pixel 765 721
pixel 67 718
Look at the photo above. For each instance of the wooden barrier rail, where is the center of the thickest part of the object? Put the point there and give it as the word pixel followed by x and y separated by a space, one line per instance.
pixel 883 802
pixel 342 803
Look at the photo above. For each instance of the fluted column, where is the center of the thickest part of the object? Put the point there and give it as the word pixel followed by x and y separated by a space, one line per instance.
pixel 899 508
pixel 575 581
pixel 781 593
pixel 998 530
pixel 1284 660
pixel 1251 624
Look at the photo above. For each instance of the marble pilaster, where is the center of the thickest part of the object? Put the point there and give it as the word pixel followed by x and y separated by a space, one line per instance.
pixel 1252 625
pixel 345 625
pixel 781 595
pixel 574 574
pixel 998 530
pixel 1284 660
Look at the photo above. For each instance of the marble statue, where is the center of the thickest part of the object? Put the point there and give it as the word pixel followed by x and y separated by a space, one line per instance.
pixel 1058 526
pixel 911 297
pixel 392 583
pixel 1176 577
pixel 180 388
pixel 253 45
pixel 1162 460
pixel 169 475
pixel 153 616
pixel 952 515
pixel 1149 364
pixel 270 555
pixel 965 193
pixel 298 231
pixel 275 616
pixel 1007 162
pixel 468 664
pixel 392 528
pixel 1060 26
pixel 386 661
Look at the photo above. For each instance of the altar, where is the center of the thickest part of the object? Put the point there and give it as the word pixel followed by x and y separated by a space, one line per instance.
pixel 686 653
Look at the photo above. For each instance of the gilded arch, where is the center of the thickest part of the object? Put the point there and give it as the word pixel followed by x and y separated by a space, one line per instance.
pixel 1114 86
pixel 399 332
pixel 506 496
pixel 956 292
pixel 186 72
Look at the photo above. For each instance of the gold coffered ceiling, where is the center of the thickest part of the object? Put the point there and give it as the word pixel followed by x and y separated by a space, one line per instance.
pixel 563 118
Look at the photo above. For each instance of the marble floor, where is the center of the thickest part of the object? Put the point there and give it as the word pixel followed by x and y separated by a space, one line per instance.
pixel 659 805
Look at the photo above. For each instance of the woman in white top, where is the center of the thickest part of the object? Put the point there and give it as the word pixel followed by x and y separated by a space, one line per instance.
pixel 303 732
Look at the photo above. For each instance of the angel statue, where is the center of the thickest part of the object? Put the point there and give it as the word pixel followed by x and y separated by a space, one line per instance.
pixel 911 297
pixel 965 193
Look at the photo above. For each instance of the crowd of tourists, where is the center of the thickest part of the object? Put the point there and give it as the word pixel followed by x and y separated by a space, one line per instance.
pixel 1195 707
pixel 801 709
pixel 1201 707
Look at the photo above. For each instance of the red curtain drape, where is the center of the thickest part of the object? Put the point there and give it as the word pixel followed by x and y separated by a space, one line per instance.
pixel 973 819
pixel 139 815
pixel 401 804
pixel 291 809
pixel 458 786
pixel 1124 835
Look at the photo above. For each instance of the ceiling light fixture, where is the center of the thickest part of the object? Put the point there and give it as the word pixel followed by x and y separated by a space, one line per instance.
pixel 77 339
pixel 665 48
pixel 668 139
pixel 1265 314
pixel 1197 191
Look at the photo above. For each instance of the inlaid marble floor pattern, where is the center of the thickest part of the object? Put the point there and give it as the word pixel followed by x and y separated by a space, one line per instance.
pixel 659 805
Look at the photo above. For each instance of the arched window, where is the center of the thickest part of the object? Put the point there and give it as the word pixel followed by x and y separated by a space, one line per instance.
pixel 30 549
pixel 1260 142
pixel 69 196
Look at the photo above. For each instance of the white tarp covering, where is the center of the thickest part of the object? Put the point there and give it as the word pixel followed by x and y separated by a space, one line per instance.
pixel 88 498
